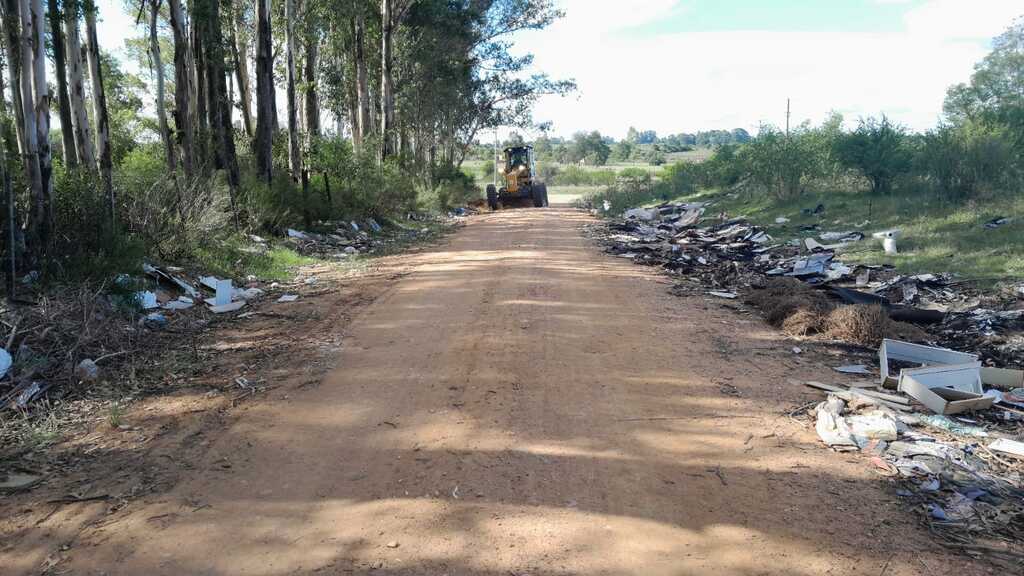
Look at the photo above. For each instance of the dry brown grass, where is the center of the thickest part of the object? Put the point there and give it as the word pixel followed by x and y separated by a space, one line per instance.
pixel 799 310
pixel 793 306
pixel 859 324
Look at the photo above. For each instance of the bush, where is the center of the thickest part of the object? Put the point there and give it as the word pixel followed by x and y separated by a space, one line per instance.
pixel 961 160
pixel 878 150
pixel 451 187
pixel 548 172
pixel 575 176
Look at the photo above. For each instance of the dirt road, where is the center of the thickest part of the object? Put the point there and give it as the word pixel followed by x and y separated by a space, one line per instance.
pixel 519 403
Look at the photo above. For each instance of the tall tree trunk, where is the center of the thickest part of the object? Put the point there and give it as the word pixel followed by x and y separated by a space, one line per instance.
pixel 99 107
pixel 12 42
pixel 240 55
pixel 294 156
pixel 79 115
pixel 387 98
pixel 42 108
pixel 63 100
pixel 266 107
pixel 8 197
pixel 362 86
pixel 158 64
pixel 33 170
pixel 200 96
pixel 182 89
pixel 311 106
pixel 220 104
pixel 345 60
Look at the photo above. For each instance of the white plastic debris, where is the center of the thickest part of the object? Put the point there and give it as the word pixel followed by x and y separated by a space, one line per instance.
pixel 888 238
pixel 288 298
pixel 224 293
pixel 229 307
pixel 874 425
pixel 831 426
pixel 781 220
pixel 5 362
pixel 297 234
pixel 645 214
pixel 247 293
pixel 147 300
pixel 182 303
pixel 727 295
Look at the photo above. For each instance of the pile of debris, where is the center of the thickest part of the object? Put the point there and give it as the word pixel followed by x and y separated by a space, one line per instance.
pixel 965 474
pixel 733 256
pixel 348 239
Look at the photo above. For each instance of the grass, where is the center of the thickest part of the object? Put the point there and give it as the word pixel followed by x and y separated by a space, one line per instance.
pixel 235 257
pixel 569 194
pixel 938 235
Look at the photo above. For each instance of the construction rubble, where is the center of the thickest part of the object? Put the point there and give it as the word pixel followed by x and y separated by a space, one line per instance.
pixel 942 415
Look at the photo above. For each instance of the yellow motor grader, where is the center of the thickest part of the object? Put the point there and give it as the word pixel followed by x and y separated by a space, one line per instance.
pixel 521 187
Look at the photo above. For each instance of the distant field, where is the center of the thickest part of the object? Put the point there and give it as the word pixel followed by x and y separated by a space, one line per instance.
pixel 569 194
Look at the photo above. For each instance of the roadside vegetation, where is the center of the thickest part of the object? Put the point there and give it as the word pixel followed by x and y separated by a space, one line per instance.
pixel 940 187
pixel 259 137
pixel 180 162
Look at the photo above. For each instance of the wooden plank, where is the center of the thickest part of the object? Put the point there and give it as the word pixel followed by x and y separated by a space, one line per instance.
pixel 1003 378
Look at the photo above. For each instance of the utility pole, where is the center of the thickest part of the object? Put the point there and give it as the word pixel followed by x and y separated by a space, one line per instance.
pixel 495 175
pixel 787 117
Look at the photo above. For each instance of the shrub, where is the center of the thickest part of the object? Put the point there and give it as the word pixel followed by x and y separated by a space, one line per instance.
pixel 960 160
pixel 878 150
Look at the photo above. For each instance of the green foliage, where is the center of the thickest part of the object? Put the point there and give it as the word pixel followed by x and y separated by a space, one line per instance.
pixel 590 148
pixel 573 175
pixel 994 94
pixel 548 171
pixel 450 188
pixel 962 160
pixel 878 150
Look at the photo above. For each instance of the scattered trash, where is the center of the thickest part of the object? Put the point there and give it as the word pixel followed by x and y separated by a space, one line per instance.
pixel 296 234
pixel 376 227
pixel 1007 446
pixel 5 362
pixel 781 220
pixel 224 292
pixel 147 300
pixel 288 298
pixel 182 303
pixel 918 354
pixel 645 214
pixel 888 238
pixel 727 295
pixel 229 307
pixel 154 320
pixel 87 371
pixel 16 481
pixel 853 369
pixel 996 223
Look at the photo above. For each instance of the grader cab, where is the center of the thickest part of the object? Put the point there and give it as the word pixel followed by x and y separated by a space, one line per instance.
pixel 520 185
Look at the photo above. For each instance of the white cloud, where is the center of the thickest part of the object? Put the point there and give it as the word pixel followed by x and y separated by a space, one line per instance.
pixel 704 80
pixel 960 19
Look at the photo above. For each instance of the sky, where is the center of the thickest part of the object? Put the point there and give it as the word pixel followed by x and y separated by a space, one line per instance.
pixel 688 65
